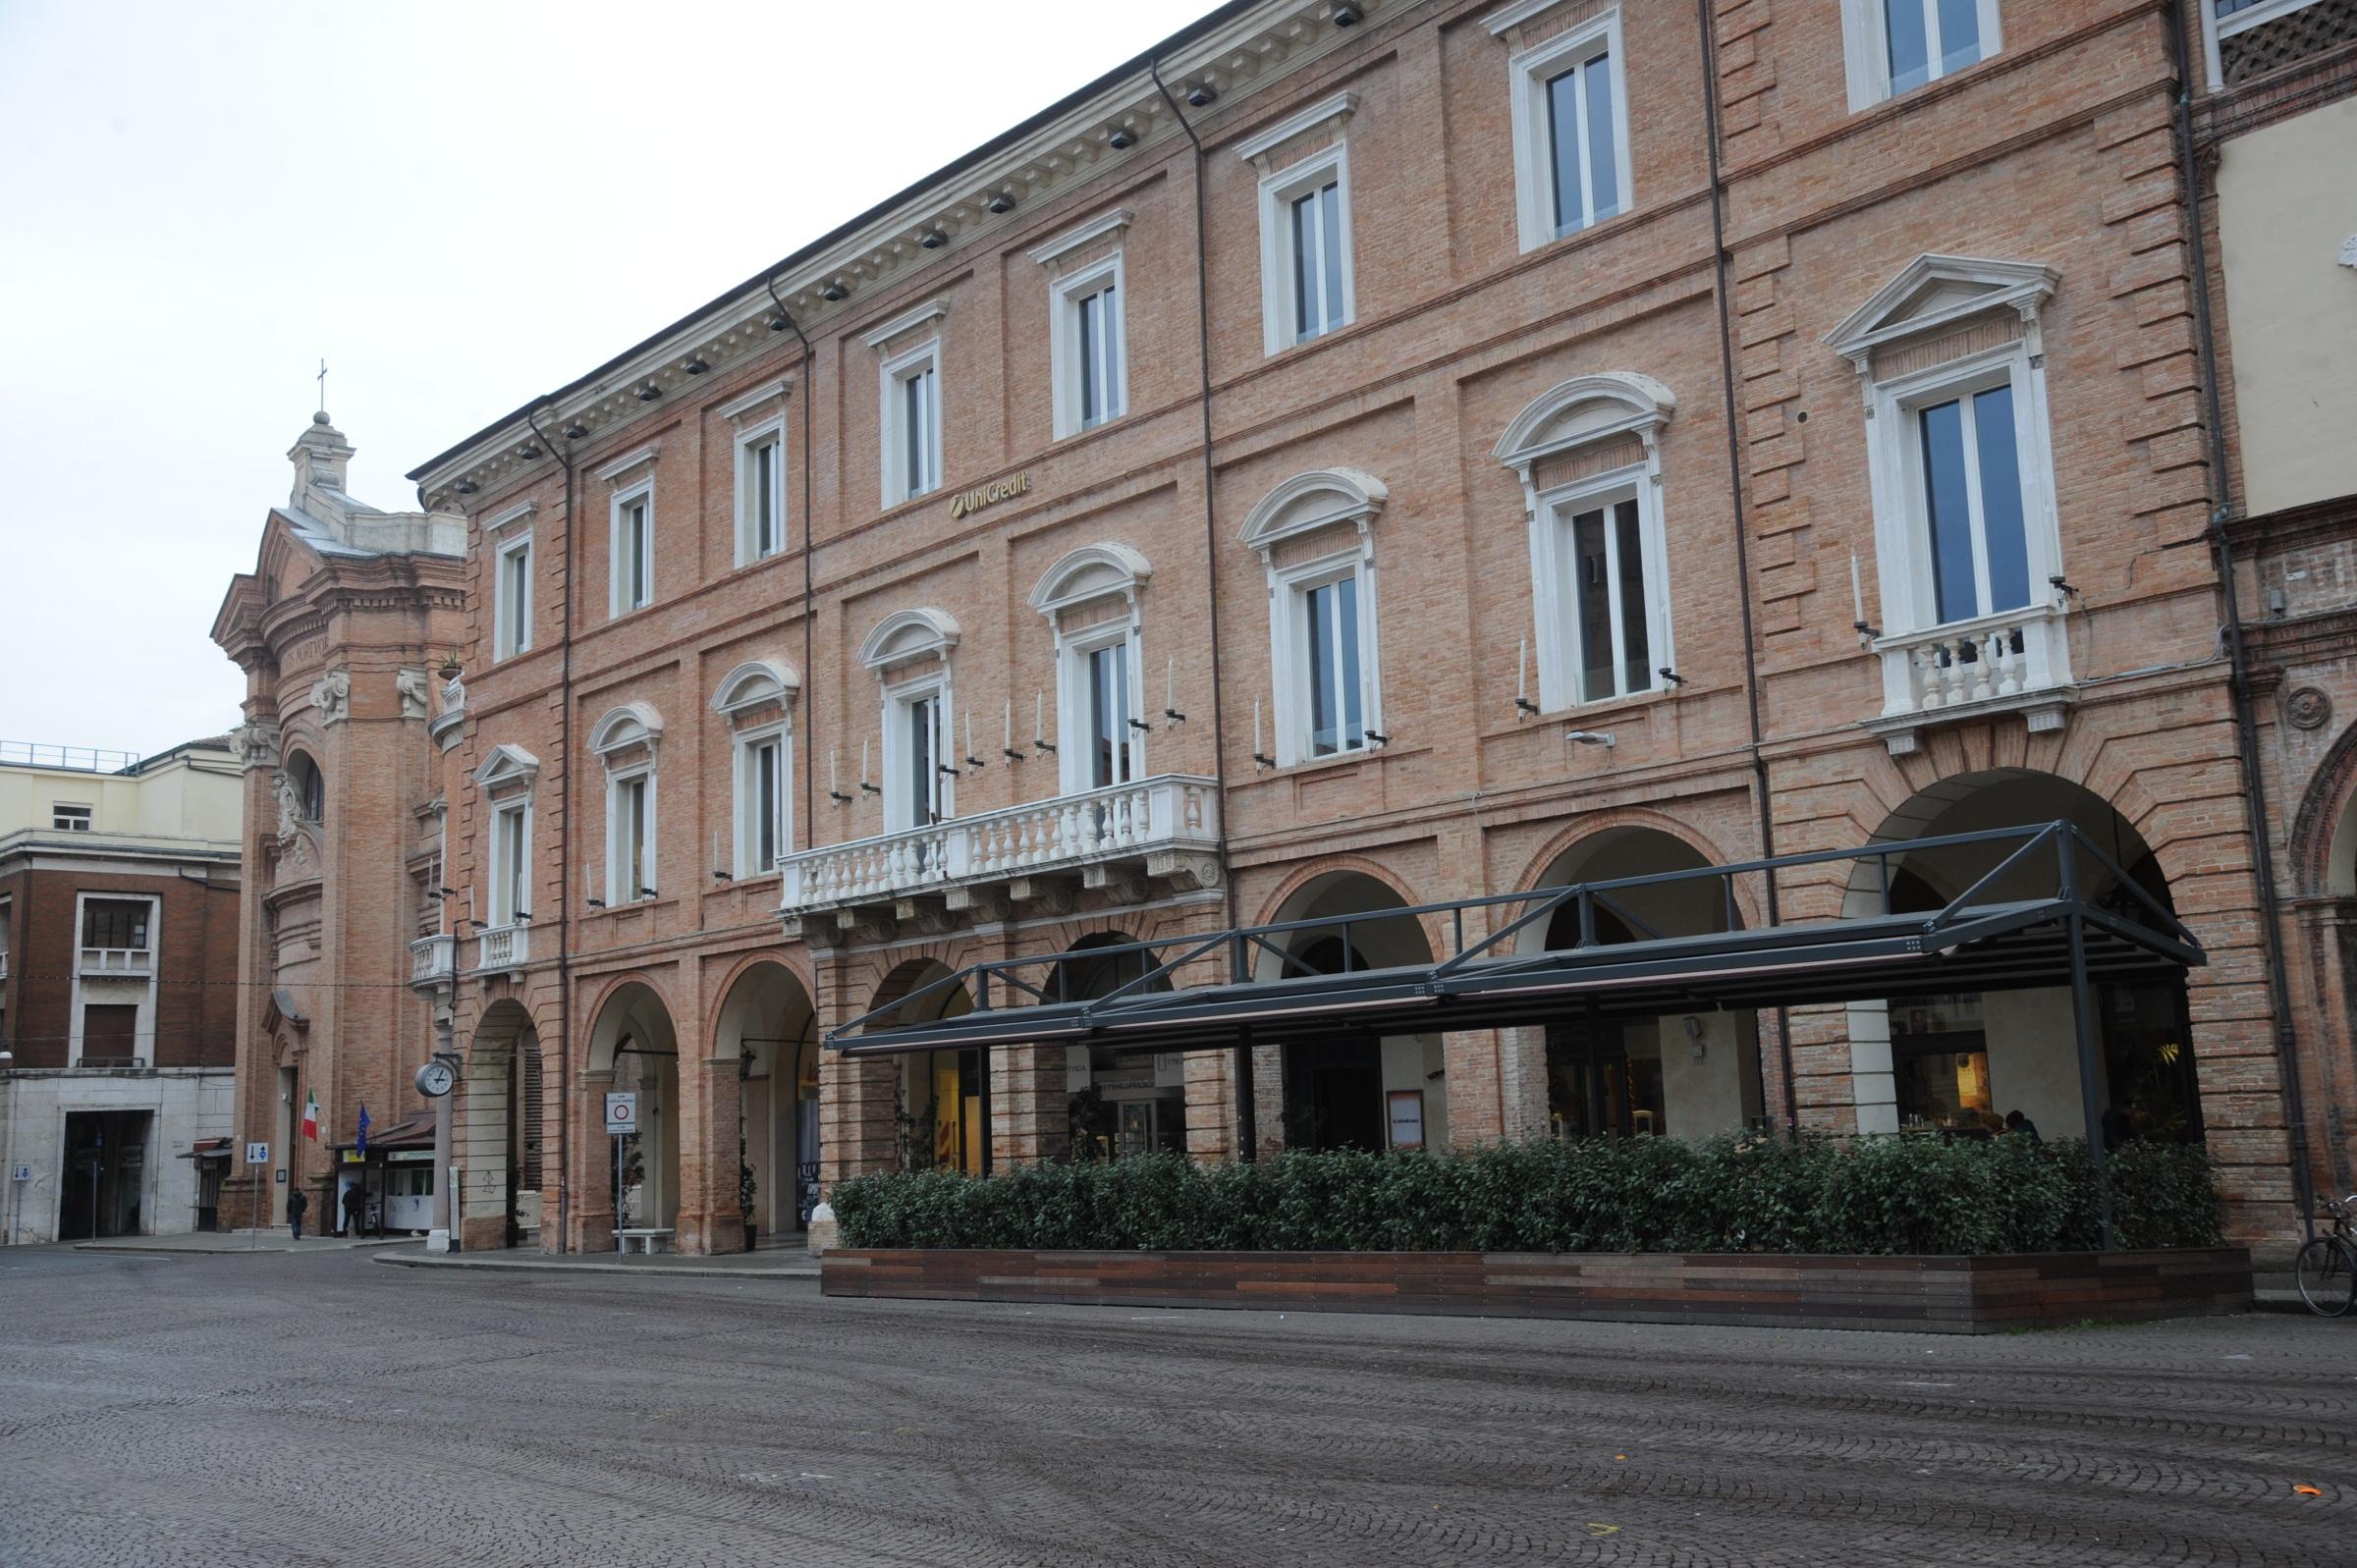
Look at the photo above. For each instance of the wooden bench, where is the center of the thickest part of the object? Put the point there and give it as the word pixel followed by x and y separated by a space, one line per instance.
pixel 645 1238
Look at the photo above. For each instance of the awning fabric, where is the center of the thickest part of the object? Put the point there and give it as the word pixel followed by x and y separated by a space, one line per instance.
pixel 2015 944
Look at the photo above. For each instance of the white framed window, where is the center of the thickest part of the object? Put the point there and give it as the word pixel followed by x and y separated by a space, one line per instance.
pixel 1954 457
pixel 1089 338
pixel 760 492
pixel 912 423
pixel 67 816
pixel 920 780
pixel 1892 47
pixel 1570 123
pixel 1588 454
pixel 630 835
pixel 510 862
pixel 1305 260
pixel 1100 669
pixel 1608 607
pixel 1324 652
pixel 512 597
pixel 762 834
pixel 633 548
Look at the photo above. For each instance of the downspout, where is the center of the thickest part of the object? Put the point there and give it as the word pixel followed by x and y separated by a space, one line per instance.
pixel 1211 538
pixel 808 752
pixel 1734 490
pixel 564 856
pixel 2246 727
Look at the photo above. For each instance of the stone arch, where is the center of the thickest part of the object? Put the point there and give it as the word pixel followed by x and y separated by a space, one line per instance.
pixel 1090 572
pixel 767 1023
pixel 937 1096
pixel 1296 886
pixel 1964 1060
pixel 2322 846
pixel 628 725
pixel 1583 411
pixel 754 684
pixel 633 1045
pixel 498 1138
pixel 908 635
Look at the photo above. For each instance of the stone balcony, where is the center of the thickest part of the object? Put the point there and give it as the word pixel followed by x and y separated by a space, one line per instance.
pixel 2017 661
pixel 131 963
pixel 503 948
pixel 1114 840
pixel 432 961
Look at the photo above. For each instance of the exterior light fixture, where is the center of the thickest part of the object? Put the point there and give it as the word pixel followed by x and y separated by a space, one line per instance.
pixel 1122 137
pixel 576 431
pixel 1347 16
pixel 527 452
pixel 1201 94
pixel 649 393
pixel 833 290
pixel 696 367
pixel 932 239
pixel 778 323
pixel 465 487
pixel 1000 201
pixel 1591 737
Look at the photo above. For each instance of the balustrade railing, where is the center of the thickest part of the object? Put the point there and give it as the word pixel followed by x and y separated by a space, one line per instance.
pixel 1169 811
pixel 431 959
pixel 501 948
pixel 2011 659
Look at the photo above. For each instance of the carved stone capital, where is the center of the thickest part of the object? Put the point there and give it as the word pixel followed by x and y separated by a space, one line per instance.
pixel 1046 896
pixel 1185 870
pixel 257 744
pixel 1123 883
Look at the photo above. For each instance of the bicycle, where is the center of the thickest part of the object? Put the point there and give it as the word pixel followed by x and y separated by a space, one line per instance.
pixel 2327 1270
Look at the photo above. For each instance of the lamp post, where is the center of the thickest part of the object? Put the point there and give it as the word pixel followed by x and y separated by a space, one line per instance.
pixel 436 1080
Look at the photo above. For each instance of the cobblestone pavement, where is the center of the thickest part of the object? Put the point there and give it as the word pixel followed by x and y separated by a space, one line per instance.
pixel 323 1409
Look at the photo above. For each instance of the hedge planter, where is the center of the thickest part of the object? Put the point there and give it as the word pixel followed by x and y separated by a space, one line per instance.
pixel 1928 1294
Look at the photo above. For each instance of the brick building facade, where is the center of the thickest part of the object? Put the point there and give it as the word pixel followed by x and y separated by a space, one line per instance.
pixel 119 905
pixel 1556 444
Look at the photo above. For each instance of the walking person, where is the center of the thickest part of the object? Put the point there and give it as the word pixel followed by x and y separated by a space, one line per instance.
pixel 297 1201
pixel 355 1205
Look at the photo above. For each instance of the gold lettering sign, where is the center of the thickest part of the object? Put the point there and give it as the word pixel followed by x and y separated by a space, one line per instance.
pixel 968 501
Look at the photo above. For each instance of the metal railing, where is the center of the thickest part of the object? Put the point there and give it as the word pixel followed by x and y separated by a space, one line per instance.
pixel 2074 858
pixel 78 759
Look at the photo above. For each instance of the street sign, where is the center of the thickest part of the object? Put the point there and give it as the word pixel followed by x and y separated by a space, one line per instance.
pixel 21 1174
pixel 622 1112
pixel 257 1154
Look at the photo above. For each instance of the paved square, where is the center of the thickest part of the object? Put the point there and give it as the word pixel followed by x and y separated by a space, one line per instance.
pixel 323 1409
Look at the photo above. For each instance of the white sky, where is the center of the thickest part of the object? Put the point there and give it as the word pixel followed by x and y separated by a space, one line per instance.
pixel 459 206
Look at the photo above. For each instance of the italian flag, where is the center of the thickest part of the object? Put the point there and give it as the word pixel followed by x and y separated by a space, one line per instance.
pixel 310 1114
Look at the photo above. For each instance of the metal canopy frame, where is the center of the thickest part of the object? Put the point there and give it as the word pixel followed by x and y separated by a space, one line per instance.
pixel 1197 993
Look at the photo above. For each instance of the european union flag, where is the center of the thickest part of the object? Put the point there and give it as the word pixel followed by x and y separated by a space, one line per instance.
pixel 362 1144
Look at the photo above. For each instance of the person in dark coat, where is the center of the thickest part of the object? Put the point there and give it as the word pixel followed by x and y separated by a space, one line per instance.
pixel 355 1205
pixel 297 1202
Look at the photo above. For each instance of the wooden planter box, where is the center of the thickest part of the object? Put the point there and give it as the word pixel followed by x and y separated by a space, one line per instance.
pixel 1936 1295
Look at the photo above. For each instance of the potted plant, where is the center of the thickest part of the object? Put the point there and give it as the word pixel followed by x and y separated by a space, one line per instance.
pixel 745 1188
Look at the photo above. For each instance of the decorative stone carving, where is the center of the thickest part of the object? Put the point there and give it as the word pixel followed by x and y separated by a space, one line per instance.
pixel 410 684
pixel 2308 708
pixel 294 851
pixel 1184 871
pixel 256 743
pixel 331 694
pixel 453 694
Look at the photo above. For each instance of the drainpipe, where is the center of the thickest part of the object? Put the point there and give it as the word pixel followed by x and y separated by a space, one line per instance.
pixel 809 596
pixel 1734 491
pixel 2246 727
pixel 564 857
pixel 1210 572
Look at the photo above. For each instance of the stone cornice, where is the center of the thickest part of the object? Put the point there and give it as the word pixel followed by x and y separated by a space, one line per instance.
pixel 1236 52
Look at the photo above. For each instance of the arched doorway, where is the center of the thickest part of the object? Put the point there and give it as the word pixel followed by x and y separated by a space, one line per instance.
pixel 769 1027
pixel 1380 1092
pixel 1119 1103
pixel 635 1042
pixel 498 1135
pixel 1961 1064
pixel 940 1098
pixel 1689 1075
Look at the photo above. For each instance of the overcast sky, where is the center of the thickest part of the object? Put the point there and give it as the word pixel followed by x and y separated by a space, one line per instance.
pixel 459 206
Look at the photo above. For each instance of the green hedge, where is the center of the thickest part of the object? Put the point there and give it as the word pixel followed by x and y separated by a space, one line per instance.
pixel 1733 1194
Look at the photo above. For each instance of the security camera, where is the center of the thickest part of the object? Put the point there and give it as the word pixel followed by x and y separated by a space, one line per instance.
pixel 1347 16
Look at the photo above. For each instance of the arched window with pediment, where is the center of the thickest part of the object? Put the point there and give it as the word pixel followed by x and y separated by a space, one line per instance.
pixel 755 700
pixel 628 740
pixel 1316 538
pixel 1588 454
pixel 1090 600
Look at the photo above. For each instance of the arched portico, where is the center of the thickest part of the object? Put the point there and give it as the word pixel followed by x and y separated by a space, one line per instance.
pixel 768 1027
pixel 1690 1074
pixel 941 1104
pixel 634 1049
pixel 496 1136
pixel 1118 1103
pixel 1964 1063
pixel 1377 1093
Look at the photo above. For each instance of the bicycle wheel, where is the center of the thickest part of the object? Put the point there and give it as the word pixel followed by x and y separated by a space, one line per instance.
pixel 2328 1276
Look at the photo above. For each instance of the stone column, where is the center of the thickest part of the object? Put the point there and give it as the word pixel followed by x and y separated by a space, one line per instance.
pixel 593 1176
pixel 1030 1120
pixel 710 1218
